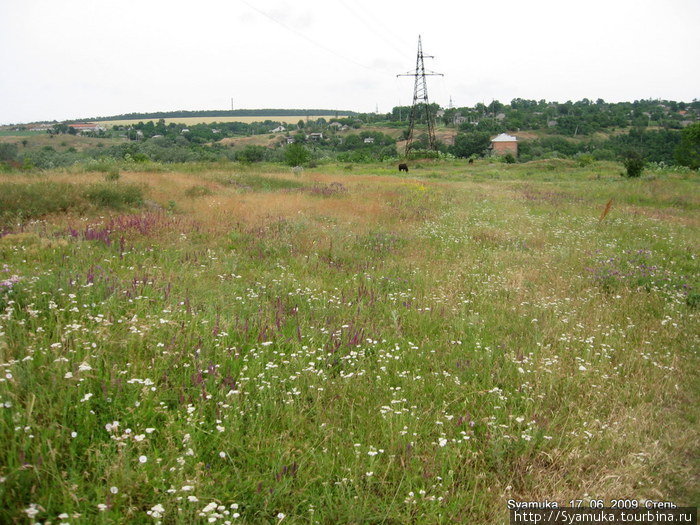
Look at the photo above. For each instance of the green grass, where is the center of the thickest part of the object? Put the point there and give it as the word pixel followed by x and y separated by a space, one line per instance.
pixel 416 349
pixel 260 183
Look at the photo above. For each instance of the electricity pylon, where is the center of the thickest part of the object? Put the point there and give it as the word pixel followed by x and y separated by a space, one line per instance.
pixel 420 99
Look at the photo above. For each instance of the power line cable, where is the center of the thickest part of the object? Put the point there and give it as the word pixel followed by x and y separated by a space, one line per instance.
pixel 372 30
pixel 310 40
pixel 400 40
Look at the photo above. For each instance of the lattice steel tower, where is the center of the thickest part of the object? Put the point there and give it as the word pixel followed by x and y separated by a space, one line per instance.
pixel 420 99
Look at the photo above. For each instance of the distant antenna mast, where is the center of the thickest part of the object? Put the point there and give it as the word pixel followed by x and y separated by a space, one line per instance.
pixel 231 103
pixel 420 99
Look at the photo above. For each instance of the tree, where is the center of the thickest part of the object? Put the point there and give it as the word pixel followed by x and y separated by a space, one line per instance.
pixel 688 151
pixel 495 107
pixel 296 154
pixel 468 144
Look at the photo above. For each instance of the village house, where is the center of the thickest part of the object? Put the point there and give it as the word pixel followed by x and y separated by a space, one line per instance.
pixel 314 136
pixel 504 144
pixel 82 127
pixel 41 127
pixel 278 129
pixel 459 119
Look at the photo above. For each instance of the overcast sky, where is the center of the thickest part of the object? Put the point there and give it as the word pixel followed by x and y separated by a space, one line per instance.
pixel 67 59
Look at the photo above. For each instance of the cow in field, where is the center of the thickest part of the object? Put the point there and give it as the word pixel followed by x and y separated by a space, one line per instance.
pixel 403 167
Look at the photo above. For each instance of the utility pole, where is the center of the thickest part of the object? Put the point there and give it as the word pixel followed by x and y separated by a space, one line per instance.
pixel 420 99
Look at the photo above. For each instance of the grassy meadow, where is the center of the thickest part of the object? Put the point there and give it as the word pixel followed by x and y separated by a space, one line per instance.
pixel 243 344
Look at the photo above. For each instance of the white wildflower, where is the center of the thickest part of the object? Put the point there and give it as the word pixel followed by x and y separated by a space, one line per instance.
pixel 210 507
pixel 32 510
pixel 156 511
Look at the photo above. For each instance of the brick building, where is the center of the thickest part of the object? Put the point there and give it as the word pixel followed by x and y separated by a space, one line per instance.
pixel 504 144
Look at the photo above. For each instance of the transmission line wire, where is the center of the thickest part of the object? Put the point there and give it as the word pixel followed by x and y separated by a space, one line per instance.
pixel 310 40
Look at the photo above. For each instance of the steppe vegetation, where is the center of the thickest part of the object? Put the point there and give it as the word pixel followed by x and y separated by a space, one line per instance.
pixel 240 343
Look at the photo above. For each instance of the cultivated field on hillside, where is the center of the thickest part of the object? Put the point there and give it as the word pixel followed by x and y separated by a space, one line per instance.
pixel 191 121
pixel 243 344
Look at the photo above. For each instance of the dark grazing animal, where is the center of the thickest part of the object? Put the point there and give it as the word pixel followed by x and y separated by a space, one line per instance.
pixel 471 161
pixel 403 167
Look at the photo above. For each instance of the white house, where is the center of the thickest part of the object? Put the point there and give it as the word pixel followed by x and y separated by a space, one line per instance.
pixel 278 129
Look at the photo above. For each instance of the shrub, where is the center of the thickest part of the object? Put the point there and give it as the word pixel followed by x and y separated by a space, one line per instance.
pixel 252 154
pixel 8 152
pixel 633 163
pixel 296 155
pixel 508 158
pixel 584 159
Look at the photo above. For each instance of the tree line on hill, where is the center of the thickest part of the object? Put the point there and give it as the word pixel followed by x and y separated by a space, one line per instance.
pixel 584 130
pixel 583 117
pixel 268 112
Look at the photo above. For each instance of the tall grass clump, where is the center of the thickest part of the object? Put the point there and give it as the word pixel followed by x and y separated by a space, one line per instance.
pixel 26 201
pixel 21 201
pixel 113 196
